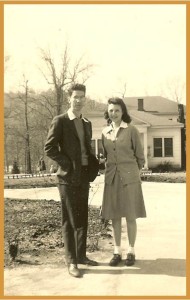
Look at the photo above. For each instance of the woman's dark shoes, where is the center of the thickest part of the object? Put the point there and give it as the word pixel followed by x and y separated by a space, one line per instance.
pixel 115 260
pixel 87 261
pixel 130 260
pixel 73 270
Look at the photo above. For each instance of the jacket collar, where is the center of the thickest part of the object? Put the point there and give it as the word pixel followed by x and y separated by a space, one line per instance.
pixel 110 127
pixel 72 116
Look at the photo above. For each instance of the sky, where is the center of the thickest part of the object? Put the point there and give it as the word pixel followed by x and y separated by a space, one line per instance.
pixel 140 45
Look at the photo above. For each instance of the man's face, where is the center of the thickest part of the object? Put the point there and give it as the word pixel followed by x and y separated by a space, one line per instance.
pixel 77 100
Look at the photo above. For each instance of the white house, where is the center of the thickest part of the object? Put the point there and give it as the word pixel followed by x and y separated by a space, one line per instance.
pixel 161 138
pixel 156 120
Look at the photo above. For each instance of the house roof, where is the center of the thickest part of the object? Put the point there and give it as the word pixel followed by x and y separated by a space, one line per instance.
pixel 154 104
pixel 155 112
pixel 140 117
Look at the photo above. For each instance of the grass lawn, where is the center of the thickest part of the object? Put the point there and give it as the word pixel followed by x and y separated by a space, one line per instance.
pixel 50 181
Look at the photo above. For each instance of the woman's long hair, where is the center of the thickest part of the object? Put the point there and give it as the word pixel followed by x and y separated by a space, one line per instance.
pixel 125 116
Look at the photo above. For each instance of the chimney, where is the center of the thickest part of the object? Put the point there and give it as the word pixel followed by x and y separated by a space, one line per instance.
pixel 140 104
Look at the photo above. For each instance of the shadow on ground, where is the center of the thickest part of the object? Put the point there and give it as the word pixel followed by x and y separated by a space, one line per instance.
pixel 160 266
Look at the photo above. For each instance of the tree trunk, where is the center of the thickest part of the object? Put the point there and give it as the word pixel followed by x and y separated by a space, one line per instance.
pixel 6 159
pixel 181 119
pixel 59 99
pixel 28 156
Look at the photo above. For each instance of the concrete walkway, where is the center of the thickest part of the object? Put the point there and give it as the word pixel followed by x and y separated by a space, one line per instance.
pixel 49 193
pixel 160 251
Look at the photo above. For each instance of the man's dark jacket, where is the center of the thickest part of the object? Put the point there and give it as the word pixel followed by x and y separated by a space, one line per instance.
pixel 63 146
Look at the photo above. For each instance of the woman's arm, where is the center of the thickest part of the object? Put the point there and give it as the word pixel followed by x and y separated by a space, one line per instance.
pixel 137 147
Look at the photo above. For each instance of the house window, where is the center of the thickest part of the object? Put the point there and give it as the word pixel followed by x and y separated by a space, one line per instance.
pixel 168 147
pixel 163 147
pixel 157 147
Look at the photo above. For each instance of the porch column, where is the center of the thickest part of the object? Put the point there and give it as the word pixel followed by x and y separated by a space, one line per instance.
pixel 145 148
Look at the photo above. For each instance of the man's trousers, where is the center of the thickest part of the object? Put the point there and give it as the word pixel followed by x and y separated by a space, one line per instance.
pixel 74 212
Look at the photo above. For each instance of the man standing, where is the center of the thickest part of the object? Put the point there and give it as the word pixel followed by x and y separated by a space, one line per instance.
pixel 69 144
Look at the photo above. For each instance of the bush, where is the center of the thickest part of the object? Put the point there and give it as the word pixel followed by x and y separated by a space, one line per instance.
pixel 163 167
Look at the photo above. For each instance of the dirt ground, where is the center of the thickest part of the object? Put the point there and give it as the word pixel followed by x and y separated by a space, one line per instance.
pixel 34 227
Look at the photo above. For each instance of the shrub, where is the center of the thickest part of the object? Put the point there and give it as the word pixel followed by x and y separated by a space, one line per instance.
pixel 166 166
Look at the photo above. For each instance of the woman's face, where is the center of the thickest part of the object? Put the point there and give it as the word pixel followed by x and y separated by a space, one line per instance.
pixel 115 113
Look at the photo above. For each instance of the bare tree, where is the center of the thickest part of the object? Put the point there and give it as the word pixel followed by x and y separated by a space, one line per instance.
pixel 12 130
pixel 174 89
pixel 122 88
pixel 24 99
pixel 28 156
pixel 67 74
pixel 26 120
pixel 18 131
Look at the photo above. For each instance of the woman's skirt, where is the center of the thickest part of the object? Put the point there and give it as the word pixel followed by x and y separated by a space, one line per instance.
pixel 123 200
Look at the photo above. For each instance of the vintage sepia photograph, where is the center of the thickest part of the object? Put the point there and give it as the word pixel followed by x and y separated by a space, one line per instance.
pixel 95 149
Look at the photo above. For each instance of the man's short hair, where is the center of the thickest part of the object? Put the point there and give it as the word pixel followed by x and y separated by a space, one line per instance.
pixel 77 87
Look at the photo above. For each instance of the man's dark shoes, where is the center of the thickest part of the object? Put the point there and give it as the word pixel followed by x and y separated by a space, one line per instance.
pixel 115 260
pixel 87 261
pixel 130 260
pixel 73 270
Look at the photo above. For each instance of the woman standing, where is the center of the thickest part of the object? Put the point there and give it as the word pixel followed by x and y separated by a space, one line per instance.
pixel 122 191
